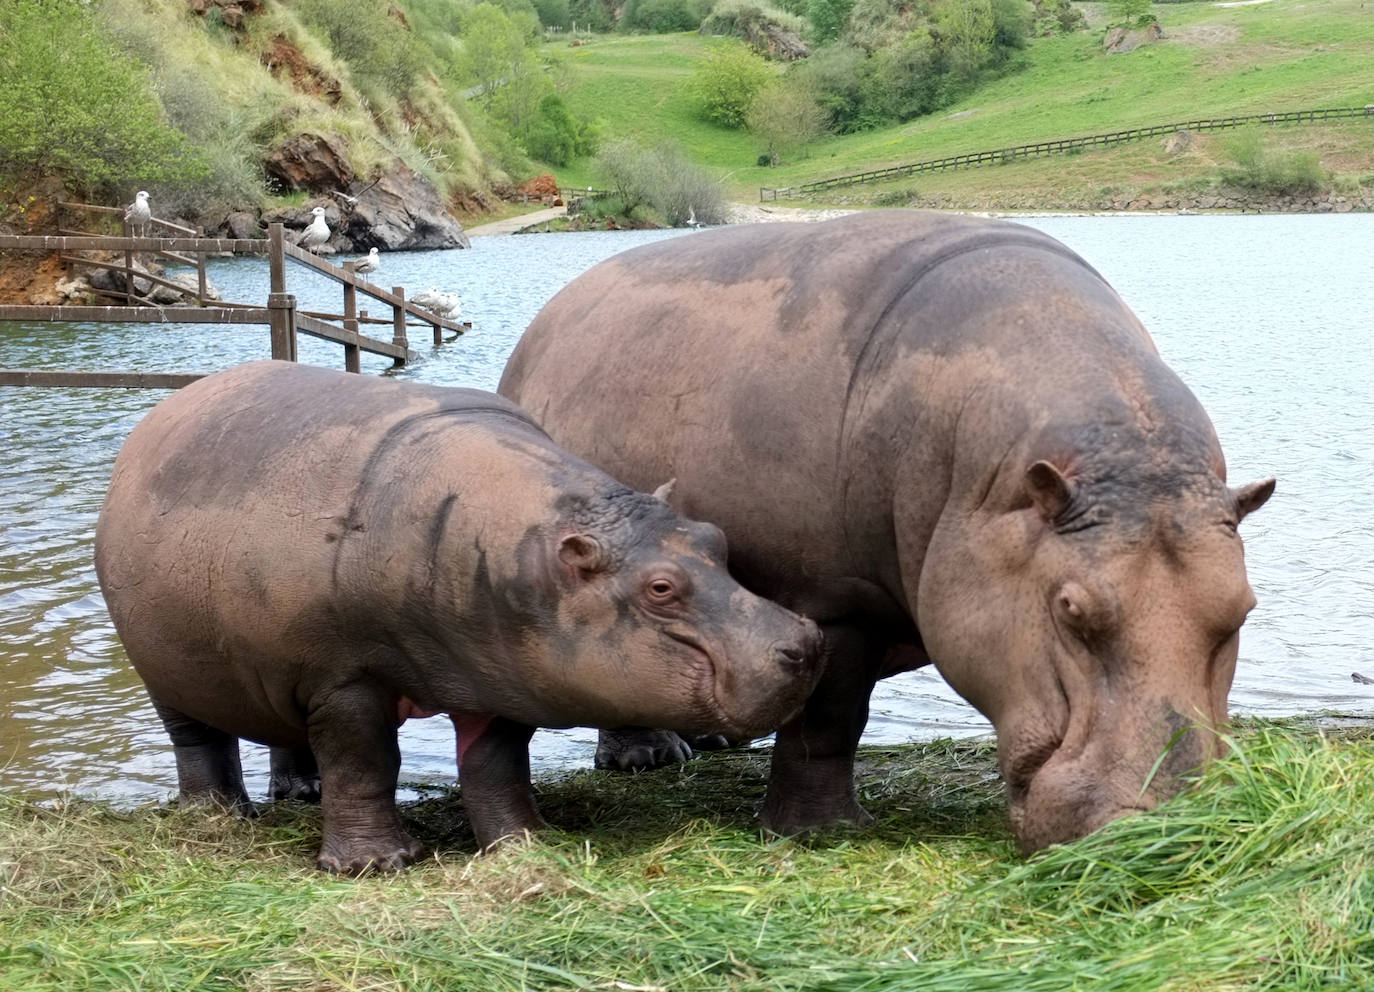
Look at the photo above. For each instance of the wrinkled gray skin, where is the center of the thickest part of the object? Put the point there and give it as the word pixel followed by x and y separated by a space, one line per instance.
pixel 947 440
pixel 305 558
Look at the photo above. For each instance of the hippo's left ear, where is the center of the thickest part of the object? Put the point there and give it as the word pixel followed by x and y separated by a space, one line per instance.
pixel 1048 488
pixel 664 491
pixel 1250 498
pixel 583 552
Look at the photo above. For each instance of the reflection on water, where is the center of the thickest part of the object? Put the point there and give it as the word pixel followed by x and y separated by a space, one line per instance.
pixel 1264 317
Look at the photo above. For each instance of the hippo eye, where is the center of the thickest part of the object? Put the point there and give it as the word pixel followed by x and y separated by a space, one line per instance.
pixel 661 591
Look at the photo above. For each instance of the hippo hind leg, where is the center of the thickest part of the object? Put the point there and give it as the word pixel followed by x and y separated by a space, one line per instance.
pixel 207 759
pixel 294 775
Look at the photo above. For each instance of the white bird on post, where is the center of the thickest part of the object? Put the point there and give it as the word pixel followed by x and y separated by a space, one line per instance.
pixel 369 264
pixel 317 233
pixel 138 214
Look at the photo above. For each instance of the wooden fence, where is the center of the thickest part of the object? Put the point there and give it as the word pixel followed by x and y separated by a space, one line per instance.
pixel 1060 146
pixel 281 315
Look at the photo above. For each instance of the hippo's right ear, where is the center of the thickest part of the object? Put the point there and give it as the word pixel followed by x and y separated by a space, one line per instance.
pixel 1250 498
pixel 1048 489
pixel 582 552
pixel 664 491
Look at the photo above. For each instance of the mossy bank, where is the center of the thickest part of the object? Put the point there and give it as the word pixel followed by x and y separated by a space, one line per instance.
pixel 1261 877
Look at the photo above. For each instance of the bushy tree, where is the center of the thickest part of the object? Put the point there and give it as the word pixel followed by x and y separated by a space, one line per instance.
pixel 493 51
pixel 663 16
pixel 1130 12
pixel 726 80
pixel 786 116
pixel 966 31
pixel 828 17
pixel 553 13
pixel 557 137
pixel 381 54
pixel 73 106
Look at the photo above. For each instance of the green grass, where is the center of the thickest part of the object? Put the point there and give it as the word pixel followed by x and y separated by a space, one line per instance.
pixel 1216 61
pixel 1262 877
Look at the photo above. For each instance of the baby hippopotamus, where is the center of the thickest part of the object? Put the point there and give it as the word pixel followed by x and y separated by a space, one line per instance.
pixel 304 558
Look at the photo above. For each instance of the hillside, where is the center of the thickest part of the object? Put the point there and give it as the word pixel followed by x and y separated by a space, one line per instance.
pixel 1214 60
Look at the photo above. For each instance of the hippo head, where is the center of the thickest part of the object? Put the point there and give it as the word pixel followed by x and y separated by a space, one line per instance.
pixel 655 632
pixel 1094 618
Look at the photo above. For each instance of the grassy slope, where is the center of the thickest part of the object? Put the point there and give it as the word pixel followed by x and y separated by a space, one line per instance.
pixel 1262 878
pixel 1217 61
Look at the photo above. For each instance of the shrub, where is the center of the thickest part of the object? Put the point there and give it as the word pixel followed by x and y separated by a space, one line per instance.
pixel 828 17
pixel 73 106
pixel 591 15
pixel 557 137
pixel 662 179
pixel 726 80
pixel 1259 168
pixel 663 16
pixel 380 52
pixel 751 21
pixel 553 13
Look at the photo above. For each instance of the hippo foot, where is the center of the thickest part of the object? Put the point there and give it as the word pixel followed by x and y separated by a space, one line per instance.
pixel 637 749
pixel 712 742
pixel 299 788
pixel 364 858
pixel 793 819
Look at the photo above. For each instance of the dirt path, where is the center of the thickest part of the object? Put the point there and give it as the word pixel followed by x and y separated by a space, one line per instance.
pixel 512 224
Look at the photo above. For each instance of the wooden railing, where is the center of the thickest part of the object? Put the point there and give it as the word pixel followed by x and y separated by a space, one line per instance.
pixel 281 314
pixel 1060 146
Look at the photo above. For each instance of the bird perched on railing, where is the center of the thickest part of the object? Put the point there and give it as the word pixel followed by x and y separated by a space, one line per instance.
pixel 371 263
pixel 138 214
pixel 316 234
pixel 443 303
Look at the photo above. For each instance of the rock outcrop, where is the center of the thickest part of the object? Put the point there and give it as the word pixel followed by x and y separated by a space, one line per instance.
pixel 400 210
pixel 316 163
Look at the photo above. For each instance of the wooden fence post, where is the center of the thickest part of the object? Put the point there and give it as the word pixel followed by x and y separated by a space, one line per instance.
pixel 280 304
pixel 200 269
pixel 398 319
pixel 128 266
pixel 352 354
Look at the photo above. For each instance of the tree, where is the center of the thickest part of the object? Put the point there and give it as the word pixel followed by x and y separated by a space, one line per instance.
pixel 1130 12
pixel 787 117
pixel 967 30
pixel 726 80
pixel 493 50
pixel 828 17
pixel 73 106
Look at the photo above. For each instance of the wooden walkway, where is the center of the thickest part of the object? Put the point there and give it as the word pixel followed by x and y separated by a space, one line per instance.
pixel 281 314
pixel 1060 146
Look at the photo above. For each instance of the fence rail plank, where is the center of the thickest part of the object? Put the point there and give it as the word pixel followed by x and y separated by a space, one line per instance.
pixel 99 380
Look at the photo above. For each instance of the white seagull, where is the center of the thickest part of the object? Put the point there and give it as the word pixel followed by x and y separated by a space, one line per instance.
pixel 443 303
pixel 317 233
pixel 138 214
pixel 369 264
pixel 692 218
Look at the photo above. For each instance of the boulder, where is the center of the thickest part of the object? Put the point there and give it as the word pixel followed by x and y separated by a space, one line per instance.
pixel 242 225
pixel 401 210
pixel 316 163
pixel 1120 40
pixel 543 188
pixel 1179 141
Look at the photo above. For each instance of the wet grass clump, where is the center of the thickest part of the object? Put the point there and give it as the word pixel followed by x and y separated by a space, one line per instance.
pixel 1258 878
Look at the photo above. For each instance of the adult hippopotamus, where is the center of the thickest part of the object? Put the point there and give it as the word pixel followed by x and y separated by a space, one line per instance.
pixel 304 558
pixel 948 441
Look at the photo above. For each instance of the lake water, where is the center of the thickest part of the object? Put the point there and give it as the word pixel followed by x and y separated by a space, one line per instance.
pixel 1269 319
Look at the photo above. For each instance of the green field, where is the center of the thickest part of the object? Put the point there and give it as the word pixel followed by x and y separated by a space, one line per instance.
pixel 1260 878
pixel 1214 61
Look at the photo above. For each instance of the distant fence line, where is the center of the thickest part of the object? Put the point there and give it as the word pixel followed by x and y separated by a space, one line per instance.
pixel 1060 146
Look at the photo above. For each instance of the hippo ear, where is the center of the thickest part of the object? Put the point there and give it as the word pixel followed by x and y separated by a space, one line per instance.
pixel 1250 498
pixel 1048 488
pixel 582 552
pixel 664 491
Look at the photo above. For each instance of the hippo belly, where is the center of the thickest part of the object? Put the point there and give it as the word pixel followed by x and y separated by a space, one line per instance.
pixel 945 439
pixel 305 558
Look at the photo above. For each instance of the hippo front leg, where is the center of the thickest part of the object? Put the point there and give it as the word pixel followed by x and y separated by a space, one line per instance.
pixel 494 777
pixel 353 736
pixel 811 783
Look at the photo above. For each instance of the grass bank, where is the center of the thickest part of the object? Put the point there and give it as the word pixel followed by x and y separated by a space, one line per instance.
pixel 1214 61
pixel 1261 878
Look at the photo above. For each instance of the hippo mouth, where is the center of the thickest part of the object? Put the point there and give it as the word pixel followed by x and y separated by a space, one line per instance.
pixel 718 718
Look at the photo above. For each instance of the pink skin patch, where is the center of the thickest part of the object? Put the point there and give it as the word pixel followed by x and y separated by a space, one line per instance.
pixel 468 728
pixel 407 710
